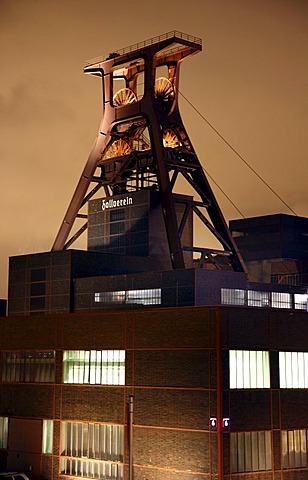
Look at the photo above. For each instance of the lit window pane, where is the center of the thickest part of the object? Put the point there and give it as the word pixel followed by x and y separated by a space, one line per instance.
pixel 250 451
pixel 281 300
pixel 254 451
pixel 47 436
pixel 92 450
pixel 232 296
pixel 268 451
pixel 284 449
pixel 3 431
pixel 294 448
pixel 258 299
pixel 293 369
pixel 28 366
pixel 150 296
pixel 105 367
pixel 249 369
pixel 301 301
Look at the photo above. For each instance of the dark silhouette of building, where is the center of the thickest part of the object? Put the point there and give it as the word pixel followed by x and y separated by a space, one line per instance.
pixel 274 247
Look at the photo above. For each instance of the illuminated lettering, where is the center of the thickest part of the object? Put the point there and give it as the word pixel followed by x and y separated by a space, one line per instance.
pixel 111 203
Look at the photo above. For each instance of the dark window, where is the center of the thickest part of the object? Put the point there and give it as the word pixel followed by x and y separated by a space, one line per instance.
pixel 28 366
pixel 37 303
pixel 117 215
pixel 37 289
pixel 38 274
pixel 118 227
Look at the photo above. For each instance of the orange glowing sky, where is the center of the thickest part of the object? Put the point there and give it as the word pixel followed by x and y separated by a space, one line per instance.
pixel 250 82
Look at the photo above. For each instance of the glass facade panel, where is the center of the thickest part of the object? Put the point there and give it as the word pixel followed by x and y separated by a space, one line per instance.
pixel 150 296
pixel 97 367
pixel 28 367
pixel 230 296
pixel 281 300
pixel 249 369
pixel 293 369
pixel 92 450
pixel 301 301
pixel 294 448
pixel 251 451
pixel 258 299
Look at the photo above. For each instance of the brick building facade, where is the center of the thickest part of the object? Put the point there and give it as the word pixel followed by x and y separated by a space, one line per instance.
pixel 178 373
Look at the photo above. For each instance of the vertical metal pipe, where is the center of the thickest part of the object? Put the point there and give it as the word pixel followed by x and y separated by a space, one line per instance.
pixel 220 452
pixel 131 421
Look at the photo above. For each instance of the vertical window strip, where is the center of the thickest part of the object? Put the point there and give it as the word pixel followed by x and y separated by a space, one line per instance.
pixel 4 422
pixel 47 437
pixel 102 367
pixel 293 369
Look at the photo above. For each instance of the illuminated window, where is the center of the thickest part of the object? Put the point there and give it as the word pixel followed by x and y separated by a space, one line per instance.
pixel 232 296
pixel 281 300
pixel 150 296
pixel 301 301
pixel 47 436
pixel 294 448
pixel 96 367
pixel 258 299
pixel 293 369
pixel 249 369
pixel 250 451
pixel 28 366
pixel 92 450
pixel 3 431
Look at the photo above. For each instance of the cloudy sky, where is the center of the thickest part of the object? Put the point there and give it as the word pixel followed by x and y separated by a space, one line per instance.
pixel 250 82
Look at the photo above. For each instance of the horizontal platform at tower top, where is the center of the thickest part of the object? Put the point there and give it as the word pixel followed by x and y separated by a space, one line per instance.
pixel 173 34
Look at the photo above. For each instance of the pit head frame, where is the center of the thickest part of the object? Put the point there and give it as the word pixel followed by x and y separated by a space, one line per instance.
pixel 142 143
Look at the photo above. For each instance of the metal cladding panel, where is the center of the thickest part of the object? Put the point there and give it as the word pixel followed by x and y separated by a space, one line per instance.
pixel 210 282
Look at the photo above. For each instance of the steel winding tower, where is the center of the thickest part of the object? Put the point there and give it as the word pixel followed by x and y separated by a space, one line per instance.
pixel 142 143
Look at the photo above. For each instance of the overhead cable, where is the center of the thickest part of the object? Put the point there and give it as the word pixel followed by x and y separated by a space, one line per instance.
pixel 240 156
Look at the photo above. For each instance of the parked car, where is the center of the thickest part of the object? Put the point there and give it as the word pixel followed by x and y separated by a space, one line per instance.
pixel 13 476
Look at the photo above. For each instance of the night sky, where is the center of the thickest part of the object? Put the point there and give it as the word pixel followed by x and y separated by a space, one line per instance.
pixel 250 82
